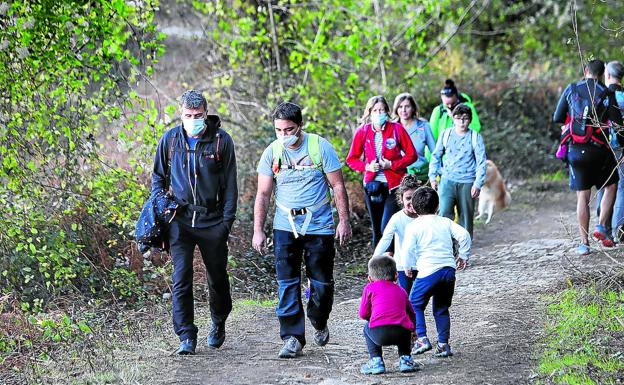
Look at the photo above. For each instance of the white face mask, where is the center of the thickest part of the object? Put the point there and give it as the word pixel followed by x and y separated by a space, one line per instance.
pixel 290 140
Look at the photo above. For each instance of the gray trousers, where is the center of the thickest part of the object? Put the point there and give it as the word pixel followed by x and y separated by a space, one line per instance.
pixel 453 194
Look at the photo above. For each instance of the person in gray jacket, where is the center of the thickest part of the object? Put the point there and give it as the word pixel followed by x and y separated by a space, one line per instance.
pixel 195 162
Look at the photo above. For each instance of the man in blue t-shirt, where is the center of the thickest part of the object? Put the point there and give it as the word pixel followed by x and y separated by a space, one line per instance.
pixel 302 167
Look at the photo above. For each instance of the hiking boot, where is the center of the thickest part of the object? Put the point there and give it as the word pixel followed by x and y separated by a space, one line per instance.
pixel 408 365
pixel 422 345
pixel 216 337
pixel 442 350
pixel 187 347
pixel 292 348
pixel 374 366
pixel 582 249
pixel 601 234
pixel 321 337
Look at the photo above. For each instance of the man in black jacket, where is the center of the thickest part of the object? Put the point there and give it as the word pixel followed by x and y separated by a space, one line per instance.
pixel 592 162
pixel 195 161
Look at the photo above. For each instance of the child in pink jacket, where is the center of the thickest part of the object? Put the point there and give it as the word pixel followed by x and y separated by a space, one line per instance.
pixel 389 314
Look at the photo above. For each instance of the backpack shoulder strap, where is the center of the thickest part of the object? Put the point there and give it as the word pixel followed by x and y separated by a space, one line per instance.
pixel 314 150
pixel 171 145
pixel 219 158
pixel 474 140
pixel 445 138
pixel 278 150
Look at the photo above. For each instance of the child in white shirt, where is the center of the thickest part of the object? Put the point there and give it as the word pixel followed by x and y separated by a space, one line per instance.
pixel 429 242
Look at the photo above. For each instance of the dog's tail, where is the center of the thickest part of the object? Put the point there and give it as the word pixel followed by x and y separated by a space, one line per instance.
pixel 507 198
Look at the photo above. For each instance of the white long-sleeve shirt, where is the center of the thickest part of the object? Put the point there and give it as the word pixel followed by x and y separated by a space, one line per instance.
pixel 395 228
pixel 429 243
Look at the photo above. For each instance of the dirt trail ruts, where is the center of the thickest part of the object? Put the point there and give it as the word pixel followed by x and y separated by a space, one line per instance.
pixel 496 315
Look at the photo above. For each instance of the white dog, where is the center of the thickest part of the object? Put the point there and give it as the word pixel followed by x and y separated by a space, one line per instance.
pixel 494 195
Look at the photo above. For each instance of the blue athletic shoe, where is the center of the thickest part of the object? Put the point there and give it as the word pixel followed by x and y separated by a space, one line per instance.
pixel 408 365
pixel 442 350
pixel 582 249
pixel 187 347
pixel 422 345
pixel 216 337
pixel 374 366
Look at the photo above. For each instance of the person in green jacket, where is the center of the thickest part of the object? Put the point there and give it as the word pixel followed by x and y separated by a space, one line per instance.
pixel 442 118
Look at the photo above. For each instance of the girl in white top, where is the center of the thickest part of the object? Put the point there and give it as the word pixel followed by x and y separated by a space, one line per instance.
pixel 395 229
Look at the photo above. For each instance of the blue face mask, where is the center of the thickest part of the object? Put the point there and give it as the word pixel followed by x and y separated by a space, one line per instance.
pixel 379 119
pixel 193 126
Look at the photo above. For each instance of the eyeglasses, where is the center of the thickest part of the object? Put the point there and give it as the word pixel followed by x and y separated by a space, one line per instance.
pixel 463 118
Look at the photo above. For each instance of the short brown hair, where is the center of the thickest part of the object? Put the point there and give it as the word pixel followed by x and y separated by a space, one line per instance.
pixel 382 267
pixel 425 201
pixel 462 109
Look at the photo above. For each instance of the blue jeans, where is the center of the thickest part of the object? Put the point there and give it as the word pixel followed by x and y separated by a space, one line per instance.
pixel 439 285
pixel 457 194
pixel 212 243
pixel 381 212
pixel 317 252
pixel 406 282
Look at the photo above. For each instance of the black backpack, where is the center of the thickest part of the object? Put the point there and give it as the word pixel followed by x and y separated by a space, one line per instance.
pixel 586 116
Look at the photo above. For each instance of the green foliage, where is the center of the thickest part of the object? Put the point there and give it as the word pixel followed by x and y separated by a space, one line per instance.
pixel 584 330
pixel 329 56
pixel 40 334
pixel 513 115
pixel 549 38
pixel 65 67
pixel 125 283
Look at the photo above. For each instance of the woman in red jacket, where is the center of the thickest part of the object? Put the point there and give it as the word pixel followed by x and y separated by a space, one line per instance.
pixel 382 150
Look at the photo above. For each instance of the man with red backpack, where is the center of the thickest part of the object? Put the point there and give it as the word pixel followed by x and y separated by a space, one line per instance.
pixel 587 108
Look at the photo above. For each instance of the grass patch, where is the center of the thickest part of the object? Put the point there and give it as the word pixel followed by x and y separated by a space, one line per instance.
pixel 357 269
pixel 585 337
pixel 556 176
pixel 108 344
pixel 256 302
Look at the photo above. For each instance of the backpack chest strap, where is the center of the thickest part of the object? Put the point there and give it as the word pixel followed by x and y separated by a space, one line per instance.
pixel 308 211
pixel 297 167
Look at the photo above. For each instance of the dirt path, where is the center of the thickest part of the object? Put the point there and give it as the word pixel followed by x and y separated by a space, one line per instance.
pixel 496 315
